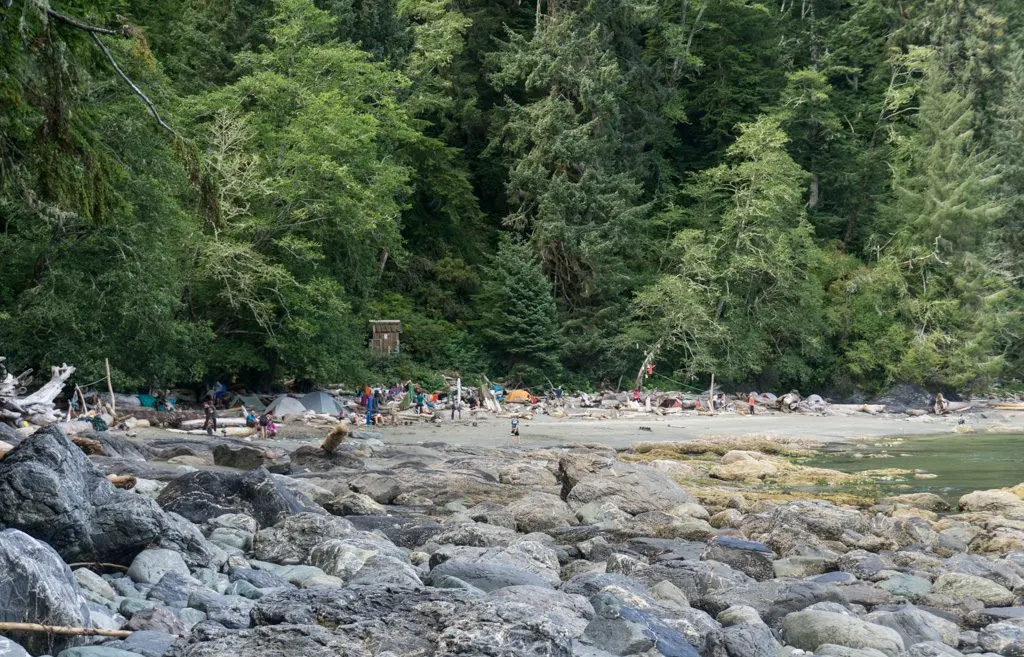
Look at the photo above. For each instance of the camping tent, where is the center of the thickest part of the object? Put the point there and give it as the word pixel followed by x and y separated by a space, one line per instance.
pixel 286 405
pixel 252 402
pixel 320 402
pixel 517 397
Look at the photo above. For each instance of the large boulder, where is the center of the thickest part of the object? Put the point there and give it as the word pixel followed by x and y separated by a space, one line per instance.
pixel 384 619
pixel 307 640
pixel 810 628
pixel 752 558
pixel 960 585
pixel 291 540
pixel 241 457
pixel 50 490
pixel 9 648
pixel 529 556
pixel 538 511
pixel 917 626
pixel 1005 638
pixel 37 587
pixel 201 496
pixel 992 501
pixel 633 488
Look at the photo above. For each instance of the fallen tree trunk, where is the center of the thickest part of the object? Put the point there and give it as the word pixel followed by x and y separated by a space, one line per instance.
pixel 37 407
pixel 63 630
pixel 221 422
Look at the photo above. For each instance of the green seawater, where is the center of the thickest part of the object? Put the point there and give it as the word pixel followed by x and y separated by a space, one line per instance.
pixel 962 462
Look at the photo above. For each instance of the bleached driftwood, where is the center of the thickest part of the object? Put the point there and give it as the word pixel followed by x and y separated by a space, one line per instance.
pixel 38 407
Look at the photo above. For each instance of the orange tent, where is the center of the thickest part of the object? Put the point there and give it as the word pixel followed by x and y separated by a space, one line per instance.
pixel 517 397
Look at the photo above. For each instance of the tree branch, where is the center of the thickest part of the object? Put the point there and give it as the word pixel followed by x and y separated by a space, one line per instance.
pixel 123 32
pixel 135 88
pixel 94 31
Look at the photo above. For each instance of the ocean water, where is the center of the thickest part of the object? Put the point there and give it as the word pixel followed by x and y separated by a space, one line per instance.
pixel 961 462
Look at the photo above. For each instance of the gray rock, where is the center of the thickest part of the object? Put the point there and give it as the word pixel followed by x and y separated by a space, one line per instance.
pixel 174 589
pixel 960 585
pixel 231 611
pixel 50 490
pixel 476 534
pixel 157 619
pixel 916 625
pixel 749 640
pixel 244 589
pixel 354 504
pixel 149 566
pixel 382 489
pixel 754 559
pixel 529 556
pixel 568 613
pixel 589 585
pixel 1005 638
pixel 399 620
pixel 800 566
pixel 306 575
pixel 486 576
pixel 263 579
pixel 907 586
pixel 491 514
pixel 291 540
pixel 344 557
pixel 96 651
pixel 618 636
pixel 810 629
pixel 36 586
pixel 202 495
pixel 9 648
pixel 981 617
pixel 622 630
pixel 242 457
pixel 386 570
pixel 145 643
pixel 932 649
pixel 307 640
pixel 189 617
pixel 739 615
pixel 832 650
pixel 91 582
pixel 537 512
pixel 861 563
pixel 131 606
pixel 229 538
pixel 594 513
pixel 632 487
pixel 773 600
pixel 1004 572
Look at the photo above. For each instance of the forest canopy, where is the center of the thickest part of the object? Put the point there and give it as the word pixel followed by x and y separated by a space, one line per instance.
pixel 821 194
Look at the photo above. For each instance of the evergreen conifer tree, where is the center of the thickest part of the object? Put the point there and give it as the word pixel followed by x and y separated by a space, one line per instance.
pixel 517 314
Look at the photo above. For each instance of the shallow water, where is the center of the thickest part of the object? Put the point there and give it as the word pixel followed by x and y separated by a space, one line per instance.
pixel 962 462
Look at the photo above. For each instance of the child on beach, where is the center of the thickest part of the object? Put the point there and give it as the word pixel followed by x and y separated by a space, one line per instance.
pixel 515 431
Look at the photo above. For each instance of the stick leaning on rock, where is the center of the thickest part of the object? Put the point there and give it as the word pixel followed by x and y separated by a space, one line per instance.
pixel 63 630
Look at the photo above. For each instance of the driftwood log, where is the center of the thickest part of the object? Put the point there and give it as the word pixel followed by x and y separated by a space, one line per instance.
pixel 63 630
pixel 37 408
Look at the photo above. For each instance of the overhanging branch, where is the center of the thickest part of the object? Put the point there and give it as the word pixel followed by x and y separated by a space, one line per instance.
pixel 135 87
pixel 94 32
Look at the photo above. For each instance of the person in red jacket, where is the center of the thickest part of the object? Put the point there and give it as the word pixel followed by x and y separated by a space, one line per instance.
pixel 750 402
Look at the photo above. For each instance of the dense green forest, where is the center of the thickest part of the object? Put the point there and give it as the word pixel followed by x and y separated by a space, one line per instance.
pixel 824 194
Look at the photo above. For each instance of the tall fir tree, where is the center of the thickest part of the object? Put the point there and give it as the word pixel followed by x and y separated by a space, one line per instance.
pixel 517 315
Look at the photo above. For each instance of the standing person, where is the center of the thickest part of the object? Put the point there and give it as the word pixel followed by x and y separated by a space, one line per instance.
pixel 515 431
pixel 750 402
pixel 636 395
pixel 266 420
pixel 456 407
pixel 210 424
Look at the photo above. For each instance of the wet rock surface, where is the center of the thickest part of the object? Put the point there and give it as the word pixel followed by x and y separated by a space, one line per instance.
pixel 445 551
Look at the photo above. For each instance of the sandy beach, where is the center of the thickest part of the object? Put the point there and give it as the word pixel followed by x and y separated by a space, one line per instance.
pixel 543 431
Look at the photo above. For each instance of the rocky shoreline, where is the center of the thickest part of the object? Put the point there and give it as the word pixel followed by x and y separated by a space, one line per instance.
pixel 226 547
